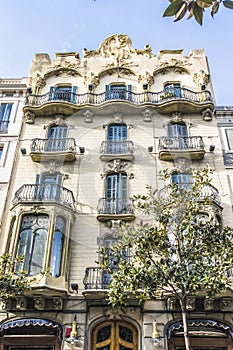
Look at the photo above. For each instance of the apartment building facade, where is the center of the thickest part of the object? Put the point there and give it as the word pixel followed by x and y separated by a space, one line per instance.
pixel 12 97
pixel 96 131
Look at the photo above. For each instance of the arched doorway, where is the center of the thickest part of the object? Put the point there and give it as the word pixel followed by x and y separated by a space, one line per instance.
pixel 114 335
pixel 205 334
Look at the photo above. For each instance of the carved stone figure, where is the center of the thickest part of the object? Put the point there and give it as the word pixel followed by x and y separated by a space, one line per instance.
pixel 88 116
pixel 29 117
pixel 207 115
pixel 147 115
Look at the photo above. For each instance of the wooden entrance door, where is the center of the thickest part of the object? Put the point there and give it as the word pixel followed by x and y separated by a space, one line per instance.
pixel 115 336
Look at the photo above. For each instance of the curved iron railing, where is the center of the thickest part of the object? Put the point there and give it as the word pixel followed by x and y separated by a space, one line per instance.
pixel 53 145
pixel 116 147
pixel 115 206
pixel 208 192
pixel 181 143
pixel 45 193
pixel 96 278
pixel 136 98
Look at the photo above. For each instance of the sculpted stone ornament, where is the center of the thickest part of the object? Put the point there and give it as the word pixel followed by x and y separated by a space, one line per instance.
pixel 208 304
pixel 57 303
pixel 174 65
pixel 226 304
pixel 182 164
pixel 37 82
pixel 39 302
pixel 29 117
pixel 201 78
pixel 88 116
pixel 91 79
pixel 118 119
pixel 207 115
pixel 177 117
pixel 147 115
pixel 146 78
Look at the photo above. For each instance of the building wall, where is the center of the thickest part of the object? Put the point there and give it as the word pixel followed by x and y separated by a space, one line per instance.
pixel 87 120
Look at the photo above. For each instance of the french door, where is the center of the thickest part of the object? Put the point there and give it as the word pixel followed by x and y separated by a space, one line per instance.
pixel 48 187
pixel 116 193
pixel 117 137
pixel 56 139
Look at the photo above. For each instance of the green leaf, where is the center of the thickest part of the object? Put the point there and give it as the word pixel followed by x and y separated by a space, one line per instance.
pixel 173 8
pixel 182 11
pixel 204 3
pixel 228 4
pixel 215 8
pixel 198 13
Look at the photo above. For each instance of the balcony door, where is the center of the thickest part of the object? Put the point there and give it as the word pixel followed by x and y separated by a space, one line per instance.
pixel 48 187
pixel 115 336
pixel 174 89
pixel 178 133
pixel 116 193
pixel 183 180
pixel 56 139
pixel 117 137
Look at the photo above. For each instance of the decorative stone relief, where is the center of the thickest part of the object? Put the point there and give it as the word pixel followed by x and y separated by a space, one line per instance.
pixel 207 115
pixel 39 302
pixel 226 304
pixel 182 164
pixel 29 117
pixel 201 78
pixel 114 313
pixel 190 303
pixel 21 303
pixel 91 79
pixel 118 119
pixel 177 117
pixel 147 115
pixel 7 304
pixel 174 65
pixel 146 78
pixel 172 303
pixel 88 116
pixel 57 303
pixel 52 165
pixel 208 304
pixel 37 82
pixel 116 165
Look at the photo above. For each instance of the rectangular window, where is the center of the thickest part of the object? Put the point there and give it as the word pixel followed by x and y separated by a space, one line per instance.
pixel 5 111
pixel 1 151
pixel 229 136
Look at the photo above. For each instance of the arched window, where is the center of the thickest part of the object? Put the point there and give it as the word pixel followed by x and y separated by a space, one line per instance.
pixel 116 193
pixel 32 243
pixel 56 138
pixel 57 246
pixel 115 336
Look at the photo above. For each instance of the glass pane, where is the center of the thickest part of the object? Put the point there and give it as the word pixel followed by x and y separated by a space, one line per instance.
pixel 106 347
pixel 103 334
pixel 38 252
pixel 122 347
pixel 56 256
pixel 126 334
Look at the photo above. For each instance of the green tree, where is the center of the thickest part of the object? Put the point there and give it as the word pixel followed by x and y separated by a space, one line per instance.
pixel 179 249
pixel 194 8
pixel 12 283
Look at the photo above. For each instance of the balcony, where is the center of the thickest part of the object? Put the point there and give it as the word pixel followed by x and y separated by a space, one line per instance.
pixel 165 101
pixel 175 147
pixel 45 193
pixel 47 149
pixel 116 149
pixel 115 209
pixel 208 192
pixel 96 282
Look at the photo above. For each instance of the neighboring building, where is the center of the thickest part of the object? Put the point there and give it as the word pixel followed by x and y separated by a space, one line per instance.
pixel 96 131
pixel 224 117
pixel 12 98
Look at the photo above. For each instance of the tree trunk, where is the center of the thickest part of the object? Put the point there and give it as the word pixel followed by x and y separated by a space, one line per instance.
pixel 185 324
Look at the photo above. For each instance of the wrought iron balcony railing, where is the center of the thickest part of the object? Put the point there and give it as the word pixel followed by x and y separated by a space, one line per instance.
pixel 135 98
pixel 4 126
pixel 45 193
pixel 181 143
pixel 208 192
pixel 115 206
pixel 96 278
pixel 116 147
pixel 53 145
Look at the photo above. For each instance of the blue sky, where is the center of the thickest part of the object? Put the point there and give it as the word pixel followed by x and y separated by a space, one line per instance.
pixel 51 26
